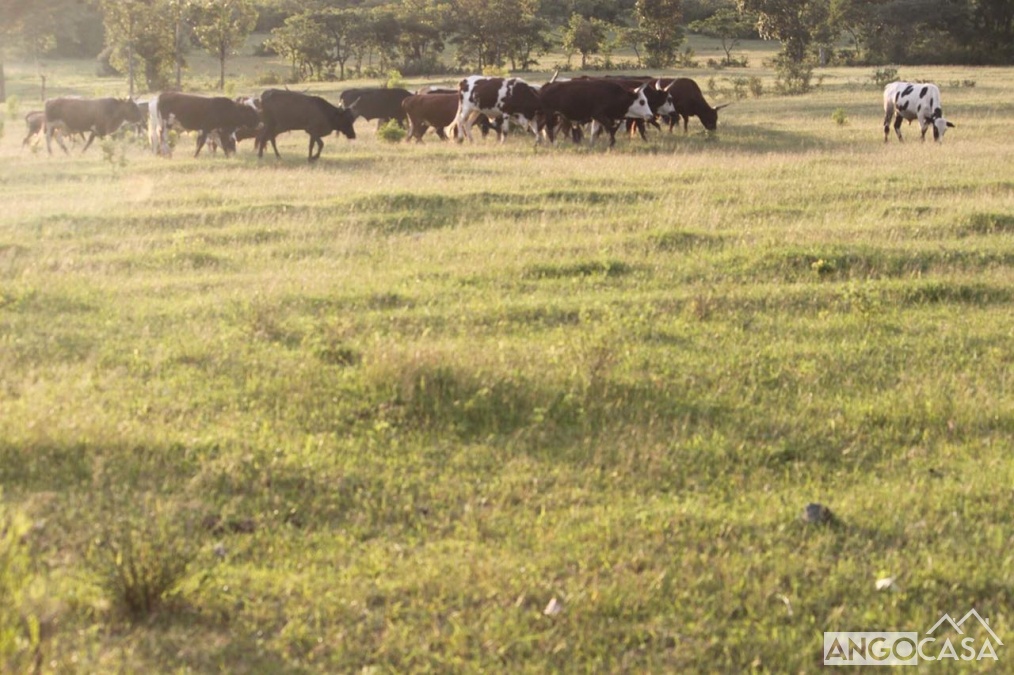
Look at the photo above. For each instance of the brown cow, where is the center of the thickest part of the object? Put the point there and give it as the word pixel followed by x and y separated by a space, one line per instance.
pixel 284 110
pixel 98 116
pixel 689 102
pixel 203 114
pixel 430 110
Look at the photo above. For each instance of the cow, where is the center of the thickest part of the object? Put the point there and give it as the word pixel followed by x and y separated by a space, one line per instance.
pixel 689 102
pixel 98 117
pixel 284 110
pixel 382 105
pixel 905 100
pixel 658 97
pixel 512 98
pixel 589 100
pixel 423 111
pixel 203 114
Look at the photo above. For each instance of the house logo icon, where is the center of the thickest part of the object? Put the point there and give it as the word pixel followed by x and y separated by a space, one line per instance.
pixel 968 647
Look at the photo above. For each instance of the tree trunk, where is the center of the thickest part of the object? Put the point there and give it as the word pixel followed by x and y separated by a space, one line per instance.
pixel 221 68
pixel 178 48
pixel 130 66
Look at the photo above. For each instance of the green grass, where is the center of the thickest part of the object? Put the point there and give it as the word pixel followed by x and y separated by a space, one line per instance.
pixel 393 404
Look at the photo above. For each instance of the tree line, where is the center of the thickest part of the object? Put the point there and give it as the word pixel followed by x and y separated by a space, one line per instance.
pixel 149 40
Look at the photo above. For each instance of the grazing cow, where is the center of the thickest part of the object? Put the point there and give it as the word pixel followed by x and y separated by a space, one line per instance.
pixel 285 110
pixel 203 114
pixel 98 116
pixel 689 102
pixel 423 111
pixel 581 101
pixel 382 105
pixel 905 100
pixel 658 98
pixel 36 121
pixel 511 98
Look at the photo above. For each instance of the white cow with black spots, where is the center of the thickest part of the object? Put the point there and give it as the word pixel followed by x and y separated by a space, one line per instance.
pixel 909 101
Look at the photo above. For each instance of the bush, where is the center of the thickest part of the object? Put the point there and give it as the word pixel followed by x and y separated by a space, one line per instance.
pixel 394 80
pixel 840 117
pixel 269 78
pixel 882 76
pixel 391 132
pixel 793 77
pixel 756 88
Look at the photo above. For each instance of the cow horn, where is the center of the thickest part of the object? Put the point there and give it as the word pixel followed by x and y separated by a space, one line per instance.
pixel 352 106
pixel 724 105
pixel 556 74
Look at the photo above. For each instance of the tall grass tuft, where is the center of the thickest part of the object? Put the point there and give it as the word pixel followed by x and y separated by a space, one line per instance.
pixel 142 556
pixel 19 627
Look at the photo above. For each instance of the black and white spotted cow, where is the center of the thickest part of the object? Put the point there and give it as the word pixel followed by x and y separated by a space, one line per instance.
pixel 909 101
pixel 511 98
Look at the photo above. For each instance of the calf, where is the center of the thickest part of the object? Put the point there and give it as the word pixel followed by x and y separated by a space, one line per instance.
pixel 98 117
pixel 437 110
pixel 284 110
pixel 905 100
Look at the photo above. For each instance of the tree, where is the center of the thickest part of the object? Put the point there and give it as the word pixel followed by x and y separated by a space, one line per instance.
pixel 659 22
pixel 137 29
pixel 792 22
pixel 300 40
pixel 584 36
pixel 727 25
pixel 222 26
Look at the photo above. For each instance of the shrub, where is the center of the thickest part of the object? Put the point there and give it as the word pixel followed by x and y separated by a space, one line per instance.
pixel 793 77
pixel 394 80
pixel 13 105
pixel 840 117
pixel 882 76
pixel 391 132
pixel 756 88
pixel 269 79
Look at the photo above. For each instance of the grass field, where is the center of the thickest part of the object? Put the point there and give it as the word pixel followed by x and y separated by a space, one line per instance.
pixel 496 408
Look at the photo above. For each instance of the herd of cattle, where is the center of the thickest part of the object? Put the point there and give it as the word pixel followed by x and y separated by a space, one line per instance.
pixel 566 106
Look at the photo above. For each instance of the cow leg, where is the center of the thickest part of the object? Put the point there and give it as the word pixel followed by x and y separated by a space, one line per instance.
pixel 91 137
pixel 897 128
pixel 887 122
pixel 686 124
pixel 274 147
pixel 320 147
pixel 309 156
pixel 202 136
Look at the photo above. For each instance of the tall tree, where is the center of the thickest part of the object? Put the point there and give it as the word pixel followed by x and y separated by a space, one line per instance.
pixel 137 30
pixel 795 23
pixel 728 25
pixel 222 26
pixel 584 36
pixel 660 24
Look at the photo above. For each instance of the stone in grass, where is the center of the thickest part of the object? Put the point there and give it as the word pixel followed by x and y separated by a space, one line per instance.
pixel 553 608
pixel 818 514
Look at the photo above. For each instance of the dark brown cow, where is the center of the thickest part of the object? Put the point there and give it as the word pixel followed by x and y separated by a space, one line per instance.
pixel 284 110
pixel 587 100
pixel 378 104
pixel 436 110
pixel 689 102
pixel 511 98
pixel 99 116
pixel 203 114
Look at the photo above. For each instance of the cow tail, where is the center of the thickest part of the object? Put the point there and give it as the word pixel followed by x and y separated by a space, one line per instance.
pixel 155 131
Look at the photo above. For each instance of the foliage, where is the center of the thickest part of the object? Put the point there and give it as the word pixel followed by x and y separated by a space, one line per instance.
pixel 660 23
pixel 222 26
pixel 839 116
pixel 392 132
pixel 881 77
pixel 584 36
pixel 728 25
pixel 19 625
pixel 796 24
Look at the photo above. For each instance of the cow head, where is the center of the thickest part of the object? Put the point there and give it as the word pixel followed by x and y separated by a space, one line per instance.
pixel 709 116
pixel 639 107
pixel 940 125
pixel 128 108
pixel 343 120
